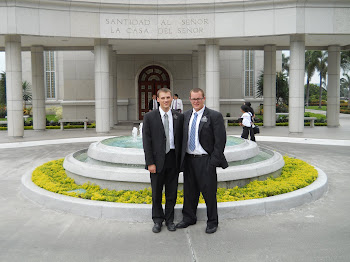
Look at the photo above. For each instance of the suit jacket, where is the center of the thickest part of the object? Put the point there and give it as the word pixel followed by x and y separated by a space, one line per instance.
pixel 150 104
pixel 212 136
pixel 154 140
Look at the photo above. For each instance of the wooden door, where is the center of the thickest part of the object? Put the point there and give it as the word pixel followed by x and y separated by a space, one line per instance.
pixel 151 79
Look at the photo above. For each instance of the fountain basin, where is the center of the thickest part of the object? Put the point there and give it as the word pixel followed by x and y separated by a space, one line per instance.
pixel 135 177
pixel 236 149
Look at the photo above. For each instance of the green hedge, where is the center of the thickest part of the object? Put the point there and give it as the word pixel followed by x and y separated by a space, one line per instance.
pixel 55 127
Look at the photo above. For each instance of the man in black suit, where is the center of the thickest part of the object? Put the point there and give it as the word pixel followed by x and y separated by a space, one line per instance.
pixel 153 104
pixel 162 141
pixel 204 139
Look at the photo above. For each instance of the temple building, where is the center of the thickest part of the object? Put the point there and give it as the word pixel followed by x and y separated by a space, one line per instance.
pixel 103 60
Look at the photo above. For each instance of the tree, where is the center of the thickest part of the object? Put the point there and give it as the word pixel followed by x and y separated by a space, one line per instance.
pixel 2 88
pixel 282 87
pixel 27 92
pixel 315 92
pixel 322 67
pixel 345 87
pixel 345 60
pixel 310 67
pixel 285 64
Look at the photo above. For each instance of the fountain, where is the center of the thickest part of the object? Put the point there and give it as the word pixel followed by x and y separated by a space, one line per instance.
pixel 134 134
pixel 118 163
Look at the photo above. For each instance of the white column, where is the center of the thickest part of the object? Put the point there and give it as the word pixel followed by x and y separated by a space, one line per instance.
pixel 15 125
pixel 212 75
pixel 201 67
pixel 115 89
pixel 296 83
pixel 38 88
pixel 101 51
pixel 111 87
pixel 269 85
pixel 194 69
pixel 333 87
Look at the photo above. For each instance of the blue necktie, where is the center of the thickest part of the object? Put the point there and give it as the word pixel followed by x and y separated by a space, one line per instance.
pixel 192 144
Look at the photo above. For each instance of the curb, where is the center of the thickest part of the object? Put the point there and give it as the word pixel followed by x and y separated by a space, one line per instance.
pixel 143 212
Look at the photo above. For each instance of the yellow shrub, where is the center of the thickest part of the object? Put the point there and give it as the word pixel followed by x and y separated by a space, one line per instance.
pixel 296 174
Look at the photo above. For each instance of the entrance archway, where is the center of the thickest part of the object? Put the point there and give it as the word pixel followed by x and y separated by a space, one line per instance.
pixel 151 79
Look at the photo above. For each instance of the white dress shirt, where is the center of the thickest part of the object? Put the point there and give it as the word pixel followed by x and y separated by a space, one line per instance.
pixel 155 104
pixel 198 149
pixel 171 126
pixel 176 104
pixel 246 119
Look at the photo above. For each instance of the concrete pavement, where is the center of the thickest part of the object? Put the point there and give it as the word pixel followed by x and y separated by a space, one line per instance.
pixel 319 231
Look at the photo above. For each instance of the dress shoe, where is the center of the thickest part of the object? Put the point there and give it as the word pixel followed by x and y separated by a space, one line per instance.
pixel 211 229
pixel 184 224
pixel 171 226
pixel 157 227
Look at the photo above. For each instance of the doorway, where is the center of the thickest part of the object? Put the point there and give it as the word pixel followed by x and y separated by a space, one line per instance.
pixel 151 79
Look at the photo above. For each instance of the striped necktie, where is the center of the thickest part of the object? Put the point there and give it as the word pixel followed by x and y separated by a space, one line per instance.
pixel 192 144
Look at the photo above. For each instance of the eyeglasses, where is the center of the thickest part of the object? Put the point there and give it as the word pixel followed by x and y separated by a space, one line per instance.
pixel 196 99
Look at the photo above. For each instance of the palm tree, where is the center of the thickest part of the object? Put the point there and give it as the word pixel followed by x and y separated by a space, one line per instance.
pixel 345 60
pixel 2 88
pixel 285 64
pixel 282 87
pixel 27 92
pixel 345 85
pixel 322 68
pixel 310 67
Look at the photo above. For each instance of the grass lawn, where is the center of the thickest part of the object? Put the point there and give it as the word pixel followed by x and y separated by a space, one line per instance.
pixel 323 108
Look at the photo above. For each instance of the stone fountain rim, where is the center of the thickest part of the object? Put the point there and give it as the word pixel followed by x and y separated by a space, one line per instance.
pixel 106 153
pixel 142 212
pixel 141 175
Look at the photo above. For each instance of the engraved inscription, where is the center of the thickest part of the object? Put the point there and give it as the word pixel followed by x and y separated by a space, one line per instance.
pixel 160 27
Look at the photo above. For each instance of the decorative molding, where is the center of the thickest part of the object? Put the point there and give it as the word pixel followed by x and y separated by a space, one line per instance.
pixel 121 102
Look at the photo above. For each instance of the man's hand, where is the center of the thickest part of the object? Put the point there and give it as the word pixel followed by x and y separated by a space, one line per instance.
pixel 152 169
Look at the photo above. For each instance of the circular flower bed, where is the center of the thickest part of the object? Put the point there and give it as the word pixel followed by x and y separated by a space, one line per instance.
pixel 296 174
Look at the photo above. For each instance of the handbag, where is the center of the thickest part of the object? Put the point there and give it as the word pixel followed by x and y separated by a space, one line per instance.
pixel 256 130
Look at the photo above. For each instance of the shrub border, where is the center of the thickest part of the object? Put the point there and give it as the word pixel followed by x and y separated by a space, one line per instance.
pixel 142 212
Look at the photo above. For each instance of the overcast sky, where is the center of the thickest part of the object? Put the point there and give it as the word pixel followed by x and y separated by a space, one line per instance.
pixel 315 78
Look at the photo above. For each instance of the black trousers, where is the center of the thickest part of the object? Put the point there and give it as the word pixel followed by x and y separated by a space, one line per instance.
pixel 199 177
pixel 247 131
pixel 168 177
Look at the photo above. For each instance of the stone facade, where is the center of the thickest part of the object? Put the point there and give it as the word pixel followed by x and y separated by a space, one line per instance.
pixel 102 46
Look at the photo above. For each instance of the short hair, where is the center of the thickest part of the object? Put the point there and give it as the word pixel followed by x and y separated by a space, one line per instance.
pixel 245 108
pixel 164 90
pixel 176 95
pixel 197 90
pixel 248 104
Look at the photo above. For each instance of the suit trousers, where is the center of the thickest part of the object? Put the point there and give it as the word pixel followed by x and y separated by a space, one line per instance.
pixel 199 176
pixel 168 177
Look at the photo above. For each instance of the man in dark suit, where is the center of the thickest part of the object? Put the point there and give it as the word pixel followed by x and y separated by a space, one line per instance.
pixel 204 139
pixel 162 141
pixel 153 104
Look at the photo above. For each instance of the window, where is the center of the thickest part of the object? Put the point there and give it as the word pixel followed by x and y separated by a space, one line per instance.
pixel 249 73
pixel 50 74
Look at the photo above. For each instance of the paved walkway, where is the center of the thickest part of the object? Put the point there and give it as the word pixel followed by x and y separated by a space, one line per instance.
pixel 319 231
